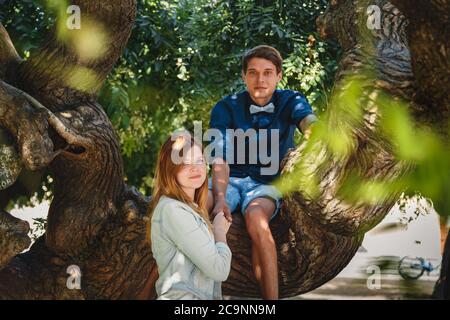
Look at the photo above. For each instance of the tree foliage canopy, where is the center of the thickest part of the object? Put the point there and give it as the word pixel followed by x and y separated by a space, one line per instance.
pixel 182 57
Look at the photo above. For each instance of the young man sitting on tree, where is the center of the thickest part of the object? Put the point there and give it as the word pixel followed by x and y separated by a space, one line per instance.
pixel 265 113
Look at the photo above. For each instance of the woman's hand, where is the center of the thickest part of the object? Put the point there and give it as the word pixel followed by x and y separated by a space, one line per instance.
pixel 221 206
pixel 221 226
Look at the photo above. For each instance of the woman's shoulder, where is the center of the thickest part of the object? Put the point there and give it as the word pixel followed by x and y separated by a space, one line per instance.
pixel 166 203
pixel 173 212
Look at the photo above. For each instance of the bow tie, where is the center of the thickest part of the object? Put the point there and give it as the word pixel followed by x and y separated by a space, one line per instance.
pixel 267 108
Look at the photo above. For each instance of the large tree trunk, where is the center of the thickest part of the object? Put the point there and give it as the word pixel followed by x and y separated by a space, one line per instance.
pixel 428 35
pixel 98 223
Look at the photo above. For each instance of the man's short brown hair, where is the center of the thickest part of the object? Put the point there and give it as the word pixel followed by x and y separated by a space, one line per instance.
pixel 264 52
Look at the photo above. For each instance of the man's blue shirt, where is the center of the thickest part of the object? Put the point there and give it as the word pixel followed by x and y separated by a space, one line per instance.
pixel 233 112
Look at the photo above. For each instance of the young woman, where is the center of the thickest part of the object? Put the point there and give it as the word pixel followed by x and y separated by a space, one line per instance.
pixel 192 255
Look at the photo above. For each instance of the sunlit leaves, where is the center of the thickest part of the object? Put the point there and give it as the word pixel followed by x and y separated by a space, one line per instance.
pixel 421 155
pixel 91 41
pixel 83 79
pixel 59 8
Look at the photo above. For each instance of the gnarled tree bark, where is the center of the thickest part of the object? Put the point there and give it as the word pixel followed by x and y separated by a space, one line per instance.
pixel 98 223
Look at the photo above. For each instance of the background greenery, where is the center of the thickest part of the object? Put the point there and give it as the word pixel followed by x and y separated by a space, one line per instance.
pixel 184 56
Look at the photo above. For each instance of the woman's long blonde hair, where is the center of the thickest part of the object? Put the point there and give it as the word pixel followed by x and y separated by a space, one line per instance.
pixel 166 184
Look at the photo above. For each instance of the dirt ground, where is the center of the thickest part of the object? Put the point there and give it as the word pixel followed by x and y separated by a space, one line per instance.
pixel 351 288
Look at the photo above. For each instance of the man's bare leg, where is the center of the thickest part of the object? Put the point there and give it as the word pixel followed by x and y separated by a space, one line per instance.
pixel 264 253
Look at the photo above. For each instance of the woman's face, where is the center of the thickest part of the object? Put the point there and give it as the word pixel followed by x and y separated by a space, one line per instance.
pixel 193 170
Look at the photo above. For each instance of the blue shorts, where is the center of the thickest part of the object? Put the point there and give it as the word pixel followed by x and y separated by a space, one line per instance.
pixel 241 191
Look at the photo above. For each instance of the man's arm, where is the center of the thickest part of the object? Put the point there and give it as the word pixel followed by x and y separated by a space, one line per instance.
pixel 304 125
pixel 220 177
pixel 301 113
pixel 220 120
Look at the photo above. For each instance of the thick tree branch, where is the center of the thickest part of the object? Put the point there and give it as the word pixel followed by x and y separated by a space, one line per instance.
pixel 376 62
pixel 428 34
pixel 8 53
pixel 76 72
pixel 63 130
pixel 27 120
pixel 13 237
pixel 28 126
pixel 98 169
pixel 117 265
